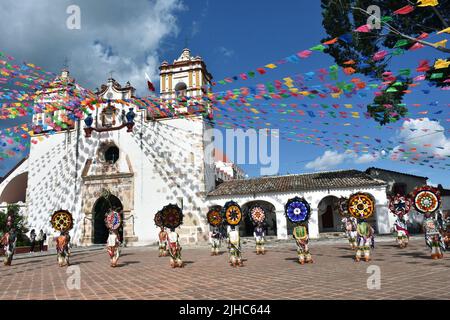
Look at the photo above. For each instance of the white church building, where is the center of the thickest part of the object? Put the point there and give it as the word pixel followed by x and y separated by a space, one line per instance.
pixel 163 160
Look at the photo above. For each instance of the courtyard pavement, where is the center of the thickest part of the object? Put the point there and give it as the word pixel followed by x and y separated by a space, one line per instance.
pixel 404 274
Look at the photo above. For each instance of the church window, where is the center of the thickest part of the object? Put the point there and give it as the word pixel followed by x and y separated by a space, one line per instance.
pixel 112 154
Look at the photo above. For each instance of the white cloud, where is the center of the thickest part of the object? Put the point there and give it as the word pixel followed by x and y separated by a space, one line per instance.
pixel 115 35
pixel 332 159
pixel 424 137
pixel 329 160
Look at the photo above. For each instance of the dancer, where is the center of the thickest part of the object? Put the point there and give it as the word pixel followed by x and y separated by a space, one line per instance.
pixel 172 218
pixel 175 249
pixel 297 211
pixel 62 221
pixel 364 240
pixel 62 249
pixel 232 214
pixel 259 235
pixel 113 222
pixel 349 223
pixel 113 246
pixel 401 229
pixel 215 239
pixel 258 216
pixel 362 206
pixel 427 201
pixel 234 245
pixel 162 242
pixel 400 206
pixel 301 237
pixel 433 237
pixel 9 245
pixel 215 234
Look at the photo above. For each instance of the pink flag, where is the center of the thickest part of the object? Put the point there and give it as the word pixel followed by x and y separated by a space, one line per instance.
pixel 379 55
pixel 363 28
pixel 304 54
pixel 417 46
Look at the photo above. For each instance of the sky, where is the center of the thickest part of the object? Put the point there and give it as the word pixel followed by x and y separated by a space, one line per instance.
pixel 133 38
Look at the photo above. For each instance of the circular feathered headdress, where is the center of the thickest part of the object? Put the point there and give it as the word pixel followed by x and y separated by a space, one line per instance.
pixel 297 210
pixel 361 205
pixel 232 213
pixel 62 220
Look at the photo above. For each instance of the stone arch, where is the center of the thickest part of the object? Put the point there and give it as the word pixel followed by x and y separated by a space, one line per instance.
pixel 328 213
pixel 246 226
pixel 101 207
pixel 16 190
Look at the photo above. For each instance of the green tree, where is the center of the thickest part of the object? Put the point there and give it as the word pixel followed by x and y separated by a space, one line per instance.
pixel 397 32
pixel 19 224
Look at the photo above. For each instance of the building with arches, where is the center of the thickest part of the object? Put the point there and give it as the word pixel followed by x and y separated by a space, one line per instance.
pixel 162 159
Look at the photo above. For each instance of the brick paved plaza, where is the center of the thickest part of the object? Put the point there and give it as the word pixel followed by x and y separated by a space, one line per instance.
pixel 405 274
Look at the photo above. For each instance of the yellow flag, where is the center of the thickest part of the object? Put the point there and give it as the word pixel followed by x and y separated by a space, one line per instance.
pixel 336 95
pixel 254 110
pixel 440 44
pixel 441 64
pixel 427 3
pixel 348 106
pixel 446 30
pixel 270 66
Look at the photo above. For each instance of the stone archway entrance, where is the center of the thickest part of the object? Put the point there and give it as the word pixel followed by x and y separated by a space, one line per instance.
pixel 329 218
pixel 101 207
pixel 246 226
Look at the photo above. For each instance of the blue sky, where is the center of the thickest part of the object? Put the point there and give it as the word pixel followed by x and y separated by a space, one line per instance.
pixel 238 36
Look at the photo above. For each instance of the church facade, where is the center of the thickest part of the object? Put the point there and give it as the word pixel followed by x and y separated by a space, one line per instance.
pixel 160 160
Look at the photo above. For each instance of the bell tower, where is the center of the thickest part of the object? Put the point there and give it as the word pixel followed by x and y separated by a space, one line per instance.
pixel 186 77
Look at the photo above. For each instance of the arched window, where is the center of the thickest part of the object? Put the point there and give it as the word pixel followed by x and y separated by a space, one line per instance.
pixel 112 154
pixel 180 89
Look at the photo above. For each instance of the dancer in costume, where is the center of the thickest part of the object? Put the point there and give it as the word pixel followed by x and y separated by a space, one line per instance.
pixel 113 222
pixel 362 206
pixel 215 234
pixel 297 211
pixel 162 242
pixel 9 245
pixel 62 221
pixel 446 230
pixel 400 206
pixel 62 249
pixel 113 245
pixel 174 249
pixel 215 239
pixel 427 201
pixel 234 245
pixel 172 217
pixel 349 223
pixel 259 235
pixel 258 216
pixel 232 214
pixel 301 237
pixel 162 236
pixel 401 229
